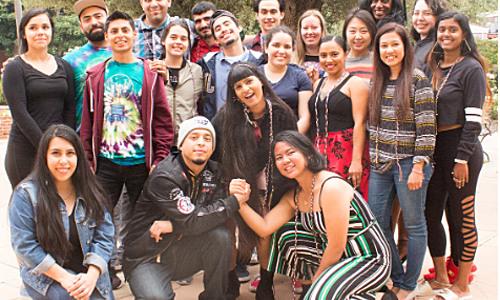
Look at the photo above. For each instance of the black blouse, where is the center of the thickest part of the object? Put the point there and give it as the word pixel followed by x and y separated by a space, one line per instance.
pixel 37 100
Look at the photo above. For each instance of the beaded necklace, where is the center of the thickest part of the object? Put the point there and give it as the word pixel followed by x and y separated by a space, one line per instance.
pixel 264 203
pixel 311 203
pixel 459 59
pixel 321 139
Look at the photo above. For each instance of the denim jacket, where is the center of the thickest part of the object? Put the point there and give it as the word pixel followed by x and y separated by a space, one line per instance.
pixel 96 240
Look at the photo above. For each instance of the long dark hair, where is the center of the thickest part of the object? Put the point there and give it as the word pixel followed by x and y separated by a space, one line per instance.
pixel 437 7
pixel 49 225
pixel 383 72
pixel 365 17
pixel 315 161
pixel 239 147
pixel 468 47
pixel 239 144
pixel 24 21
pixel 396 15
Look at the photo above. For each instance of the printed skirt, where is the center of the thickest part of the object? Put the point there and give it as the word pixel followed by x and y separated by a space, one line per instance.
pixel 337 147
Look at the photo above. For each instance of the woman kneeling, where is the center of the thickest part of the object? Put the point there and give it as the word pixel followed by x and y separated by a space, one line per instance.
pixel 332 241
pixel 60 230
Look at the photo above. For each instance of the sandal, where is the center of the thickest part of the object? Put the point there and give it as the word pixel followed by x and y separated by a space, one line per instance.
pixel 438 285
pixel 423 289
pixel 448 294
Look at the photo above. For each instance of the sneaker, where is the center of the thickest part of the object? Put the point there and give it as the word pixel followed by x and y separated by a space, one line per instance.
pixel 254 284
pixel 297 287
pixel 242 273
pixel 116 282
pixel 185 281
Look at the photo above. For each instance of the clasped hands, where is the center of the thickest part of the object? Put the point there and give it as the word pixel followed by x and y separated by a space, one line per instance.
pixel 240 189
pixel 237 187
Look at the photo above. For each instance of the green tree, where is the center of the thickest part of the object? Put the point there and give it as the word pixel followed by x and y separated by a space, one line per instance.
pixel 7 24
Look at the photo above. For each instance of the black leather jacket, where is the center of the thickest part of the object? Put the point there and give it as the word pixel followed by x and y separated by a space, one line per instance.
pixel 193 204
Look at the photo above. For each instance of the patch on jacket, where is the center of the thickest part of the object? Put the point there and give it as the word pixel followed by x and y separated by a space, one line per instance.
pixel 184 205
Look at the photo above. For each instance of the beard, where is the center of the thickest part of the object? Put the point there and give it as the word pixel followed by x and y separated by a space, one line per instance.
pixel 204 35
pixel 199 161
pixel 95 36
pixel 228 42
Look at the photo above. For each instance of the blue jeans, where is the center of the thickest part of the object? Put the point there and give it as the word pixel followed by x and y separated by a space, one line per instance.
pixel 210 252
pixel 382 189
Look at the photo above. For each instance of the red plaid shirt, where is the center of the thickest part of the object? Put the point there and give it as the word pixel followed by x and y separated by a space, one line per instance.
pixel 200 48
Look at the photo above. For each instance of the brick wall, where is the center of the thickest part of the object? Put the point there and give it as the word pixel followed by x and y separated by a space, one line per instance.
pixel 5 121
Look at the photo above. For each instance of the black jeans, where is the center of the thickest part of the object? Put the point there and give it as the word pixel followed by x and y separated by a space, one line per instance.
pixel 209 251
pixel 113 177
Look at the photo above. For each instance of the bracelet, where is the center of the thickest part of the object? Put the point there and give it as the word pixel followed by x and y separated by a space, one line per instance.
pixel 460 161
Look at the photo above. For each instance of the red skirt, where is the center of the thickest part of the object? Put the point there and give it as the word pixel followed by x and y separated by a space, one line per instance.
pixel 337 147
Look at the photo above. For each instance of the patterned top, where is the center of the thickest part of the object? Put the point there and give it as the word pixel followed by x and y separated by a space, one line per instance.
pixel 148 42
pixel 81 60
pixel 414 136
pixel 360 66
pixel 123 136
pixel 360 218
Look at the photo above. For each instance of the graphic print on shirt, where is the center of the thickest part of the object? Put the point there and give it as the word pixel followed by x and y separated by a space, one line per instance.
pixel 122 140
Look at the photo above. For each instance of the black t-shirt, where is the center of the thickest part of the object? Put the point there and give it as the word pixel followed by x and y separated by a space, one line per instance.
pixel 74 259
pixel 173 75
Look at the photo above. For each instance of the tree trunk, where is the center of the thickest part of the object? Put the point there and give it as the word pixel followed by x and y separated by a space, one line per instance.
pixel 294 10
pixel 18 9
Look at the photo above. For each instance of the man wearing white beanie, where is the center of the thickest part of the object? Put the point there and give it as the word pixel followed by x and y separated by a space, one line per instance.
pixel 178 224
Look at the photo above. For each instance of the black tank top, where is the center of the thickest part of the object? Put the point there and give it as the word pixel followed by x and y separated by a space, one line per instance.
pixel 339 109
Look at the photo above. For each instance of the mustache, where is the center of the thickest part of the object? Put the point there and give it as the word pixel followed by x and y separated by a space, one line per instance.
pixel 204 27
pixel 98 26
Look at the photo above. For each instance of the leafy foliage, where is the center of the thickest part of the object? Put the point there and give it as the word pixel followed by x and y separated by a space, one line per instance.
pixel 7 24
pixel 3 101
pixel 67 34
pixel 489 49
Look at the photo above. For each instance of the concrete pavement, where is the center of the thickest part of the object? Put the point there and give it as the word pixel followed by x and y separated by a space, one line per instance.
pixel 484 286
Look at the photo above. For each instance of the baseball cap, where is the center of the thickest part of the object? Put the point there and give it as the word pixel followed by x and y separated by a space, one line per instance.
pixel 81 5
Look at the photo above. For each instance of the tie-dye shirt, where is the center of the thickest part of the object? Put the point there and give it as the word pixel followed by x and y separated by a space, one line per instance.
pixel 122 135
pixel 81 60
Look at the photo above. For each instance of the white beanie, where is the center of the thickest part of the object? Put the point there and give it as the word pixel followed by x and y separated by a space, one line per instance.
pixel 189 125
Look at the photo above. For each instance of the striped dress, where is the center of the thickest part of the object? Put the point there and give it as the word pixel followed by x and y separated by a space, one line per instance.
pixel 363 268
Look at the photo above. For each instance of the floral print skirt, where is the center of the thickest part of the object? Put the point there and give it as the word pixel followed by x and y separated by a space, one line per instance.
pixel 337 147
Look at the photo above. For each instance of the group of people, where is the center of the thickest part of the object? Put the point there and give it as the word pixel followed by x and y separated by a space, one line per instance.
pixel 306 146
